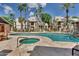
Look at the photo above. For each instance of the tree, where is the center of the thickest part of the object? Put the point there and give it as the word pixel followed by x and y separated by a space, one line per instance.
pixel 21 21
pixel 24 5
pixel 39 12
pixel 22 8
pixel 66 7
pixel 12 16
pixel 25 8
pixel 46 18
pixel 25 24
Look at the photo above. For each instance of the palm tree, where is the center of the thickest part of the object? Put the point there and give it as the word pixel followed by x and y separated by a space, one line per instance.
pixel 21 19
pixel 12 16
pixel 20 8
pixel 25 24
pixel 38 14
pixel 67 6
pixel 25 8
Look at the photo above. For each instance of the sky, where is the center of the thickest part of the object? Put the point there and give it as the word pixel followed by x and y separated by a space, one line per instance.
pixel 54 9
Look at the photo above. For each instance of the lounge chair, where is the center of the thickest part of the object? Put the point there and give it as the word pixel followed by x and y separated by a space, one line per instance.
pixel 5 52
pixel 51 51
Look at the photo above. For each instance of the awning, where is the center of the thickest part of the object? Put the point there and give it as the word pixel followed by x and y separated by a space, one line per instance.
pixel 7 19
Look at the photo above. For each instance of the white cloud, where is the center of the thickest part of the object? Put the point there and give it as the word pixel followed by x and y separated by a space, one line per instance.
pixel 31 13
pixel 7 9
pixel 33 5
pixel 36 5
pixel 43 4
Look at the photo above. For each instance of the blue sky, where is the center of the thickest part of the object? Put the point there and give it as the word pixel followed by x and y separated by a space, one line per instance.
pixel 54 9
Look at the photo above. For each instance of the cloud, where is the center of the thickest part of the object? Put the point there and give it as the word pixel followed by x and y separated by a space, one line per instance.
pixel 7 9
pixel 36 5
pixel 32 5
pixel 31 13
pixel 43 4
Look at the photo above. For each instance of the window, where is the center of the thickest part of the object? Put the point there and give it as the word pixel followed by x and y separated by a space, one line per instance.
pixel 32 23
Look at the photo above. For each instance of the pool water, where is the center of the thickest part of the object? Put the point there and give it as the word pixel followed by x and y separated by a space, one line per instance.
pixel 28 40
pixel 52 36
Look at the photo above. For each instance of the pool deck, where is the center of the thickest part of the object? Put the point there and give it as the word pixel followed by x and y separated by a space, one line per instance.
pixel 11 44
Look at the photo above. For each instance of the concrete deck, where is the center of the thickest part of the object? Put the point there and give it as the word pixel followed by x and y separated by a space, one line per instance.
pixel 11 44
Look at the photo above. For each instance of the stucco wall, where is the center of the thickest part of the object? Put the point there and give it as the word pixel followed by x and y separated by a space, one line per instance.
pixel 6 28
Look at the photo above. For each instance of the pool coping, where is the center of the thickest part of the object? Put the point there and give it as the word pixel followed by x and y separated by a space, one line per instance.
pixel 41 36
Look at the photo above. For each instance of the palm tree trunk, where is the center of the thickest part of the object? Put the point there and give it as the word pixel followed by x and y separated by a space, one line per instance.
pixel 21 23
pixel 25 19
pixel 20 13
pixel 25 25
pixel 21 27
pixel 15 25
pixel 67 17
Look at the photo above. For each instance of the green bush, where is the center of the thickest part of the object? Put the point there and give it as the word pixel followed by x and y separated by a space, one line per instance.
pixel 26 30
pixel 15 30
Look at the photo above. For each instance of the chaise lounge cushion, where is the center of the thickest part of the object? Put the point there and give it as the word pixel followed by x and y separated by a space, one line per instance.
pixel 5 52
pixel 51 51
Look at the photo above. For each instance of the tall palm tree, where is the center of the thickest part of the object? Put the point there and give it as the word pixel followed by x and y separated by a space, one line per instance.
pixel 39 11
pixel 20 8
pixel 21 19
pixel 25 8
pixel 66 7
pixel 38 14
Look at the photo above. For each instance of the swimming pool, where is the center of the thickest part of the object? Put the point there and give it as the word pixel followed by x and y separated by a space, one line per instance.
pixel 28 40
pixel 52 36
